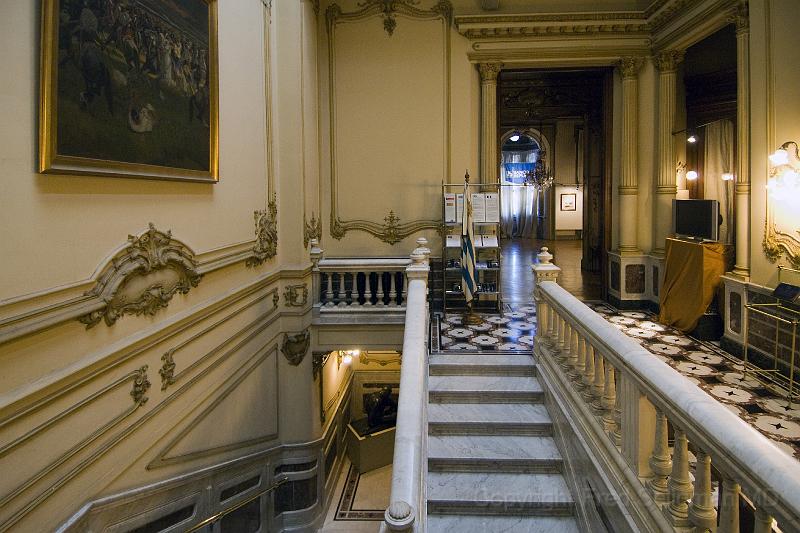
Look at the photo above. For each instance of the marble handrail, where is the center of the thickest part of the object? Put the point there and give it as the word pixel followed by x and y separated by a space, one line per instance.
pixel 599 361
pixel 406 509
pixel 363 284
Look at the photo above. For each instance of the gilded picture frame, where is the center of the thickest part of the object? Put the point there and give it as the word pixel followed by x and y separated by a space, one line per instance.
pixel 130 89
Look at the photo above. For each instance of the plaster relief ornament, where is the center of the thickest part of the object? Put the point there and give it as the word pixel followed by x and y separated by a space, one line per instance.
pixel 266 246
pixel 143 278
pixel 294 347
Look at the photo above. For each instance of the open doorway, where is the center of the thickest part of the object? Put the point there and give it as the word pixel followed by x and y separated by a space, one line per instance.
pixel 554 133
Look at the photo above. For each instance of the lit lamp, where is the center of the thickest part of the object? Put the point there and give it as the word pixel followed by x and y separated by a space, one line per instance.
pixel 346 357
pixel 727 176
pixel 691 175
pixel 783 183
pixel 539 176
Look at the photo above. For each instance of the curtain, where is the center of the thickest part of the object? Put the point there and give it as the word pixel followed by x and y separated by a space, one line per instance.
pixel 517 202
pixel 718 160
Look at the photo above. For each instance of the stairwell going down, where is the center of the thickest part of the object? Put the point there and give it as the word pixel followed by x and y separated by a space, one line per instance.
pixel 492 462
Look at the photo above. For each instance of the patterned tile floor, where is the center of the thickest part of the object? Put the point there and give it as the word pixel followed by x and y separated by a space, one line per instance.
pixel 705 364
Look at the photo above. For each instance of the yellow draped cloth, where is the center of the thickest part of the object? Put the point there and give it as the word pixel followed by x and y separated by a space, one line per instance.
pixel 691 278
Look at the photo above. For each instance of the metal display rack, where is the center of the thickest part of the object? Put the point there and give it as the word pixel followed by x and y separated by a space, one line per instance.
pixel 487 276
pixel 782 315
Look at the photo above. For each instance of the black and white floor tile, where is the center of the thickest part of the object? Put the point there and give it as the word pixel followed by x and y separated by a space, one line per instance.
pixel 510 332
pixel 716 372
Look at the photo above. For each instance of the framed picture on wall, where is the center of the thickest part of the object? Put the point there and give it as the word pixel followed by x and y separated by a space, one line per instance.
pixel 568 202
pixel 129 89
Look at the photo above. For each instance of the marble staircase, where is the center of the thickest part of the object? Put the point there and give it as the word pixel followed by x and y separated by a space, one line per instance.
pixel 492 462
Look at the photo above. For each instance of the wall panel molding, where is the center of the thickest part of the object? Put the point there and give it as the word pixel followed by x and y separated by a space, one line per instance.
pixel 391 230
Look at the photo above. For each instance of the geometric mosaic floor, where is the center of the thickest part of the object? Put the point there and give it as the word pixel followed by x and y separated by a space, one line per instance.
pixel 703 363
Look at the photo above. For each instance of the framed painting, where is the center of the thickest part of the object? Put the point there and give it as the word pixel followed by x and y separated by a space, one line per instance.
pixel 568 202
pixel 129 88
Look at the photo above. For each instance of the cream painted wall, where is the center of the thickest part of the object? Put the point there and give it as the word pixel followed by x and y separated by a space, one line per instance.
pixel 775 92
pixel 63 384
pixel 205 217
pixel 391 149
pixel 569 220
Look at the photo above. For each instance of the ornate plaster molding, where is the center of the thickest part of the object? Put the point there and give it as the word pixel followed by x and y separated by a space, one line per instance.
pixel 391 230
pixel 140 386
pixel 490 71
pixel 296 295
pixel 312 230
pixel 777 242
pixel 295 347
pixel 143 277
pixel 667 60
pixel 741 17
pixel 266 246
pixel 167 370
pixel 365 359
pixel 630 66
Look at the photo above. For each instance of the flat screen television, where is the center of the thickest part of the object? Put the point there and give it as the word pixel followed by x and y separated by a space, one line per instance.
pixel 698 219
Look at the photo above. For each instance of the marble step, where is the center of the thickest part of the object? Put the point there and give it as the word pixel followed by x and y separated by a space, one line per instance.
pixel 498 493
pixel 482 365
pixel 484 389
pixel 488 419
pixel 501 524
pixel 490 453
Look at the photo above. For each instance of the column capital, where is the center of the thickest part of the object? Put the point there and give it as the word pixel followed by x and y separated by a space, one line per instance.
pixel 489 71
pixel 667 60
pixel 741 17
pixel 630 66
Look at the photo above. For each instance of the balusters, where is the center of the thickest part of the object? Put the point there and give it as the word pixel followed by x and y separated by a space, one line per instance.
pixel 392 289
pixel 369 294
pixel 616 433
pixel 329 290
pixel 609 400
pixel 541 321
pixel 405 288
pixel 351 296
pixel 660 461
pixel 702 513
pixel 729 511
pixel 599 385
pixel 588 372
pixel 576 375
pixel 763 522
pixel 680 487
pixel 340 294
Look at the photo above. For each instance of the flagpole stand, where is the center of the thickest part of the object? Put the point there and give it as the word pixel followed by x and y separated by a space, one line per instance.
pixel 471 319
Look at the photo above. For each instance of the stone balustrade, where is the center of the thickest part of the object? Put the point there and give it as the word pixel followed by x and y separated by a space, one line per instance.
pixel 359 284
pixel 631 403
pixel 406 507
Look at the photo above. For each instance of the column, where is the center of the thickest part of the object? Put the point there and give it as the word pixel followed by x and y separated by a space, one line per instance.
pixel 489 164
pixel 628 189
pixel 742 187
pixel 666 186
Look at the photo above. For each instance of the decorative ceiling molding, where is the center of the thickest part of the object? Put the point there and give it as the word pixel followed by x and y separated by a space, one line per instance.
pixel 266 246
pixel 143 277
pixel 391 230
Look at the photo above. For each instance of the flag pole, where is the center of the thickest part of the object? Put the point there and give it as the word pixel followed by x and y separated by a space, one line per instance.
pixel 468 253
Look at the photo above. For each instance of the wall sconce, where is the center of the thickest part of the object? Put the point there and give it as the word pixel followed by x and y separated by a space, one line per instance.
pixel 783 183
pixel 691 139
pixel 691 175
pixel 727 176
pixel 346 357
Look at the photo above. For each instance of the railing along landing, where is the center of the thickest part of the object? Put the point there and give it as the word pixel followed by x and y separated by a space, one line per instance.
pixel 360 285
pixel 631 401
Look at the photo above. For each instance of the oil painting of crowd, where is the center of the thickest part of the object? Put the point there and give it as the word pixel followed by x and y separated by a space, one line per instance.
pixel 133 82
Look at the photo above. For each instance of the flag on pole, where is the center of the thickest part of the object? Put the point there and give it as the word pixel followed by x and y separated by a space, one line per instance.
pixel 467 248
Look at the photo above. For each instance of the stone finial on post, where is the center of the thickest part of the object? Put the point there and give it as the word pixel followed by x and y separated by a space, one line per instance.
pixel 543 270
pixel 419 267
pixel 422 247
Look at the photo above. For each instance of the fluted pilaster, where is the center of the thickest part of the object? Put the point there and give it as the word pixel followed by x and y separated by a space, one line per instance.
pixel 742 188
pixel 628 189
pixel 666 186
pixel 489 164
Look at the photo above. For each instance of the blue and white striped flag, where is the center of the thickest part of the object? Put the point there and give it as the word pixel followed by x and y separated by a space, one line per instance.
pixel 467 251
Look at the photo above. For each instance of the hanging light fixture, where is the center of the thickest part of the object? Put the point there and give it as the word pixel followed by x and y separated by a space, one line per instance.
pixel 539 176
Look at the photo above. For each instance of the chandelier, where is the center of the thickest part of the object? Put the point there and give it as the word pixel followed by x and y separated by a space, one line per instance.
pixel 539 176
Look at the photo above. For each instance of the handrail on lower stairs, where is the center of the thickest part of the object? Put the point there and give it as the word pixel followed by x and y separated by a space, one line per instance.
pixel 632 399
pixel 406 508
pixel 214 518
